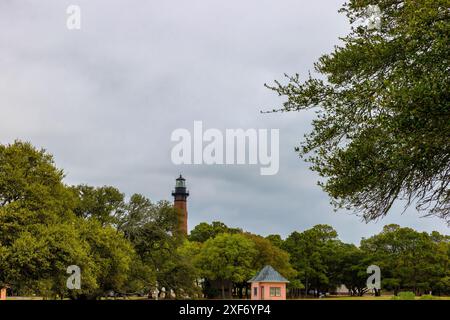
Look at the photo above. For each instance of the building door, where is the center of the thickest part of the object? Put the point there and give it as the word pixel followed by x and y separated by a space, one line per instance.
pixel 262 293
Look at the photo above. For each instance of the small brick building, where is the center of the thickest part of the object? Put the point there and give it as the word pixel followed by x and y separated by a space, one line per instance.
pixel 268 284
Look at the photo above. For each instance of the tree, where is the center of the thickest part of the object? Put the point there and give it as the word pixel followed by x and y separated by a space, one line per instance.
pixel 36 261
pixel 351 268
pixel 382 132
pixel 33 202
pixel 268 254
pixel 40 236
pixel 227 257
pixel 186 273
pixel 205 231
pixel 151 229
pixel 105 204
pixel 409 260
pixel 275 239
pixel 112 255
pixel 312 253
pixel 29 181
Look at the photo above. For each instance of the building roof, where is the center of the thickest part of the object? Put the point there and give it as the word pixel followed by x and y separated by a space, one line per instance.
pixel 268 274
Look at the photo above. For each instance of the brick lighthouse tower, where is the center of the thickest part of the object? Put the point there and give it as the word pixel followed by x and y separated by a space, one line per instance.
pixel 180 195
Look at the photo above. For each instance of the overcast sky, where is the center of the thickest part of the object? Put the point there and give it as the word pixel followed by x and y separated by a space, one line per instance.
pixel 105 99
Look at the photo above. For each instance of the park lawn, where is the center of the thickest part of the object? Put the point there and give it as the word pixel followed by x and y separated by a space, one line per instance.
pixel 384 297
pixel 366 298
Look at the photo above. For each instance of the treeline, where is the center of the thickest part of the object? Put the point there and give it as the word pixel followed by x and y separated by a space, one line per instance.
pixel 409 260
pixel 129 246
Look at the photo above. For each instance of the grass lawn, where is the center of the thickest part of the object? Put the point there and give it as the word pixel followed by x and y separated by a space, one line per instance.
pixel 367 297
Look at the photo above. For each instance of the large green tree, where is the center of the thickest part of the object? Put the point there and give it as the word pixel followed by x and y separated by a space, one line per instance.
pixel 105 204
pixel 227 257
pixel 269 254
pixel 350 268
pixel 40 236
pixel 204 231
pixel 312 253
pixel 410 260
pixel 382 100
pixel 275 239
pixel 151 228
pixel 37 233
pixel 266 253
pixel 30 181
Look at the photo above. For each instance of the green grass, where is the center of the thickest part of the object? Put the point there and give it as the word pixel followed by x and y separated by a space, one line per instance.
pixel 366 297
pixel 385 297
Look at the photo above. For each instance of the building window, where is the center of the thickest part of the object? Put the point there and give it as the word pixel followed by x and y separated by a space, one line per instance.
pixel 275 291
pixel 255 291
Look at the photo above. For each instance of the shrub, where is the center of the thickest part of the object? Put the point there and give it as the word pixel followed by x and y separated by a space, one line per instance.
pixel 407 295
pixel 428 297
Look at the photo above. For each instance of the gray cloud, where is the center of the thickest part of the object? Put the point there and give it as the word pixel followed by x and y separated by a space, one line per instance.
pixel 104 100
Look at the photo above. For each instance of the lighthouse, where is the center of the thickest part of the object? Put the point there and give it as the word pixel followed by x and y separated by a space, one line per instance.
pixel 180 195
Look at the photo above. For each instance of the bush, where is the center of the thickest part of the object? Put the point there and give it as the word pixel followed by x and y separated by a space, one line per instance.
pixel 428 297
pixel 407 295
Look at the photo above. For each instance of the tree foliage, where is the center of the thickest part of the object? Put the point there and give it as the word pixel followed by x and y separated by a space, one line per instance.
pixel 150 228
pixel 132 247
pixel 105 204
pixel 312 253
pixel 269 254
pixel 382 100
pixel 40 235
pixel 227 257
pixel 416 261
pixel 213 238
pixel 205 231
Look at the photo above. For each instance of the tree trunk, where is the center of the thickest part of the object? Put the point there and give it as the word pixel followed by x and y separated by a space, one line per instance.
pixel 223 290
pixel 306 287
